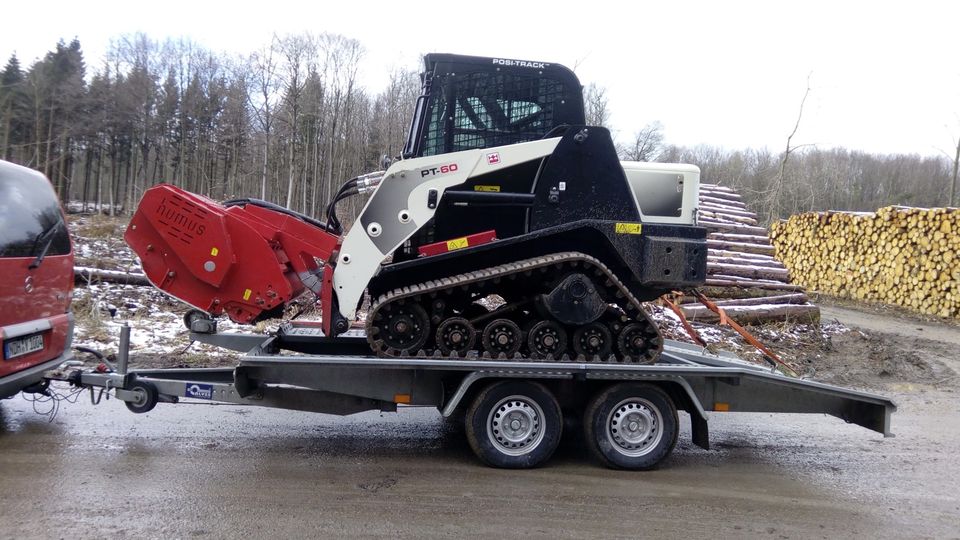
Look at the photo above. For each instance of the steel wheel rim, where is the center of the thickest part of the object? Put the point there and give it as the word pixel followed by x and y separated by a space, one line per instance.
pixel 515 425
pixel 585 335
pixel 543 330
pixel 632 340
pixel 634 427
pixel 502 336
pixel 141 397
pixel 416 327
pixel 449 328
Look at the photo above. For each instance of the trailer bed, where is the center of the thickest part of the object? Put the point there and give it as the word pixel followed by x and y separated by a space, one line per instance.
pixel 336 381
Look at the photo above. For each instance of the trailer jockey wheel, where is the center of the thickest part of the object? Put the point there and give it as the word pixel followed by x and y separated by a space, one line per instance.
pixel 514 424
pixel 146 397
pixel 456 335
pixel 502 336
pixel 593 339
pixel 194 316
pixel 404 327
pixel 631 426
pixel 547 338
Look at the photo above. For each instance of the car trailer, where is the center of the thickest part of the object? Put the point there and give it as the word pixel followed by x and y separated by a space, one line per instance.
pixel 513 409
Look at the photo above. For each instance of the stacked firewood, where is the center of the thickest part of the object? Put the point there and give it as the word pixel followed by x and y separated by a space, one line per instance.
pixel 898 255
pixel 743 275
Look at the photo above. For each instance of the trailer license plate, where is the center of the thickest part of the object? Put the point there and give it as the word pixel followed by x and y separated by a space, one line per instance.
pixel 22 346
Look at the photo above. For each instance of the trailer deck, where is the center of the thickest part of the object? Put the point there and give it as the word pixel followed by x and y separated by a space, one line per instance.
pixel 273 372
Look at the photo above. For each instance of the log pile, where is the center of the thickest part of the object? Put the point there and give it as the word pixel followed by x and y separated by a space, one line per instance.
pixel 743 275
pixel 899 255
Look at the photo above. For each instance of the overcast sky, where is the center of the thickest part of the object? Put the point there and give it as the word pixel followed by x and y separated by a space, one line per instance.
pixel 884 76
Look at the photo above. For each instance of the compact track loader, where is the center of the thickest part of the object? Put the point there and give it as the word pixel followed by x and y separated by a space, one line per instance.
pixel 507 228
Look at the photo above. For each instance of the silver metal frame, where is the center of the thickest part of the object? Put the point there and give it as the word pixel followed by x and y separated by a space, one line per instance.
pixel 699 381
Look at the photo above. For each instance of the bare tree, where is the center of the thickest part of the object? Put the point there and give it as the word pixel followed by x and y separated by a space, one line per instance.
pixel 952 196
pixel 953 181
pixel 647 144
pixel 298 52
pixel 266 80
pixel 775 189
pixel 595 106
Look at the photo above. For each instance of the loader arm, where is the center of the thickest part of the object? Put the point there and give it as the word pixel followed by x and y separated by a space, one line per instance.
pixel 405 201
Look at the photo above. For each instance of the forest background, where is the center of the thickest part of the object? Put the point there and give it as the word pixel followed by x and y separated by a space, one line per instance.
pixel 290 122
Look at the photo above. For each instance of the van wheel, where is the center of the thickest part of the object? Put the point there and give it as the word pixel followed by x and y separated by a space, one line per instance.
pixel 146 397
pixel 514 425
pixel 631 426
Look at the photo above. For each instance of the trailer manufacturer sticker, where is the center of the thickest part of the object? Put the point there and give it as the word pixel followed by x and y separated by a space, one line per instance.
pixel 199 391
pixel 493 158
pixel 628 228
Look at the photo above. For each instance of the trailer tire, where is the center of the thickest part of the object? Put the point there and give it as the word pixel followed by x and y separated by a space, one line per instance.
pixel 533 432
pixel 646 440
pixel 147 397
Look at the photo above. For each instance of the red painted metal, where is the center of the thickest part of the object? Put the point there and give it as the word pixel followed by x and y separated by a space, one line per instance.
pixel 453 244
pixel 242 261
pixel 32 296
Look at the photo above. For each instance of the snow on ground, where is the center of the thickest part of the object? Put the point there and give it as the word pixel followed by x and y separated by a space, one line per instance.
pixel 101 309
pixel 155 319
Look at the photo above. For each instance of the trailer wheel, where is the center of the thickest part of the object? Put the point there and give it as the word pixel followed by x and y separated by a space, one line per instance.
pixel 146 397
pixel 631 426
pixel 514 425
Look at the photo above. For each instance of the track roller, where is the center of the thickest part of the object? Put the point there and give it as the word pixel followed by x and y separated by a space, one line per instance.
pixel 502 336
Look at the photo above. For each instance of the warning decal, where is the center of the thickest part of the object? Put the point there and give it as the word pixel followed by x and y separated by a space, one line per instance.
pixel 628 228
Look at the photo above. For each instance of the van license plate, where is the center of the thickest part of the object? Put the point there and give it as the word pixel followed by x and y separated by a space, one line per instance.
pixel 22 346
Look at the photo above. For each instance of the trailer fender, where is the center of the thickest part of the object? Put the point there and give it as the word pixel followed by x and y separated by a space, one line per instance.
pixel 475 376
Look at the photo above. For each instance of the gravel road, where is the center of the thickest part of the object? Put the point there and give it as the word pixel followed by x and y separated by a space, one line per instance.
pixel 197 470
pixel 224 471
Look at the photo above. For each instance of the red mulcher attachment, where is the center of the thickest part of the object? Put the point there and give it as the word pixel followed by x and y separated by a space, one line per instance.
pixel 245 260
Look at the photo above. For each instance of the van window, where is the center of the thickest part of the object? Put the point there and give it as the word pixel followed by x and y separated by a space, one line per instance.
pixel 30 216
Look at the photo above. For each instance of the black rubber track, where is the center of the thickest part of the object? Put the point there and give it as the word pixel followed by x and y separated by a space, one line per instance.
pixel 488 277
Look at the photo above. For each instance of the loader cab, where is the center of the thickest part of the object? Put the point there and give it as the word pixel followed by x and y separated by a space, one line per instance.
pixel 470 102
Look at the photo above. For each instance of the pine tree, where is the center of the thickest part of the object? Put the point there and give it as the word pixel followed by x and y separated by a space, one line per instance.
pixel 14 127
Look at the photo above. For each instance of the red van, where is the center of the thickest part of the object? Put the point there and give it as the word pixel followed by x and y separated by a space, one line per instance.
pixel 36 279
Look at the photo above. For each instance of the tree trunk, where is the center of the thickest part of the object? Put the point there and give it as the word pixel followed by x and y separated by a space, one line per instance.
pixel 953 182
pixel 753 272
pixel 744 283
pixel 83 276
pixel 806 313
